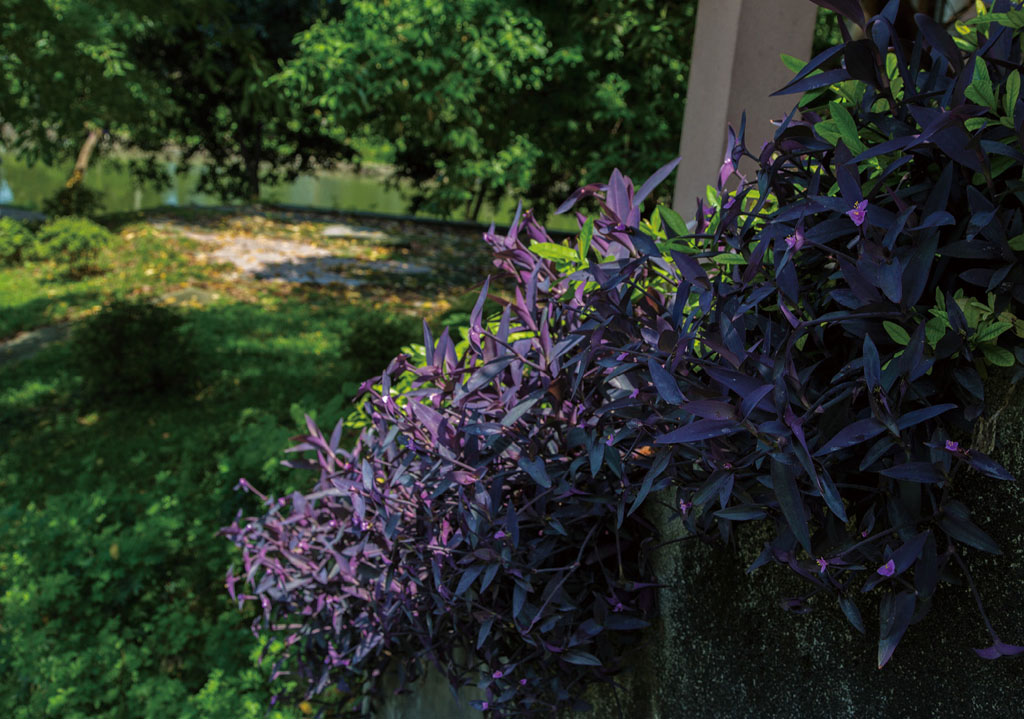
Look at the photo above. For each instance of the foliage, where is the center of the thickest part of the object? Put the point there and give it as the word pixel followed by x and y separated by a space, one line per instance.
pixel 154 76
pixel 784 364
pixel 225 112
pixel 150 634
pixel 484 522
pixel 373 339
pixel 76 200
pixel 72 242
pixel 14 239
pixel 65 65
pixel 136 349
pixel 480 98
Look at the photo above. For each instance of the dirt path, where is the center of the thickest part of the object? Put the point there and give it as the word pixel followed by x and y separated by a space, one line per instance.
pixel 280 260
pixel 25 344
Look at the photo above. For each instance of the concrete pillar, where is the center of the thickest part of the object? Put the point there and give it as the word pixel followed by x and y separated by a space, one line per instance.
pixel 736 67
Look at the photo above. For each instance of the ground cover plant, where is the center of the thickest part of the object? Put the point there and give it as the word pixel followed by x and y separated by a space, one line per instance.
pixel 111 569
pixel 812 356
pixel 74 243
pixel 14 239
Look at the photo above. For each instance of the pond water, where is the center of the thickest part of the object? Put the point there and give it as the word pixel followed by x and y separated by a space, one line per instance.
pixel 29 187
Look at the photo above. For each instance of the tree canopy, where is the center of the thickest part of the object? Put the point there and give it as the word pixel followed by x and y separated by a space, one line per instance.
pixel 479 97
pixel 473 99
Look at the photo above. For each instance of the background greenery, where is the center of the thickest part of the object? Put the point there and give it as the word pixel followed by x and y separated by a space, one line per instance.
pixel 112 601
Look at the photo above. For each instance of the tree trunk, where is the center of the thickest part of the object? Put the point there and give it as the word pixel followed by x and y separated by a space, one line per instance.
pixel 84 155
pixel 252 166
pixel 479 203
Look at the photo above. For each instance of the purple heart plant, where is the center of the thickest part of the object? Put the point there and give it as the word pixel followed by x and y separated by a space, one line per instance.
pixel 812 354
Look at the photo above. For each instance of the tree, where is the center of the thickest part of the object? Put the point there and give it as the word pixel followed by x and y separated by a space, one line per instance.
pixel 481 97
pixel 157 76
pixel 224 111
pixel 68 80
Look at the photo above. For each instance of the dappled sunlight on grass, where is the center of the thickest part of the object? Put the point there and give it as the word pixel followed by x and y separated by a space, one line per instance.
pixel 109 552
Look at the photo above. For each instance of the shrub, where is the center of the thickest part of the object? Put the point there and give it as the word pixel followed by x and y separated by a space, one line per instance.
pixel 812 357
pixel 370 340
pixel 76 200
pixel 135 348
pixel 15 239
pixel 73 242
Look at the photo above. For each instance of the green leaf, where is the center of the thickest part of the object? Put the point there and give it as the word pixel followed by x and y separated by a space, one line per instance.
pixel 729 258
pixel 847 127
pixel 997 355
pixel 991 332
pixel 829 131
pixel 980 90
pixel 586 235
pixel 673 221
pixel 1017 243
pixel 795 64
pixel 1013 19
pixel 899 335
pixel 935 328
pixel 553 251
pixel 1012 93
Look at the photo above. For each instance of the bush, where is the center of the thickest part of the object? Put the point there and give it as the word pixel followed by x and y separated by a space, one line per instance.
pixel 77 200
pixel 15 240
pixel 371 340
pixel 73 242
pixel 135 348
pixel 812 357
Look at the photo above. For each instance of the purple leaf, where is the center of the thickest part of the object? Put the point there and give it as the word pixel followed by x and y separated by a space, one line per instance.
pixel 665 383
pixel 895 614
pixel 922 472
pixel 791 503
pixel 860 431
pixel 999 649
pixel 654 180
pixel 700 430
pixel 850 9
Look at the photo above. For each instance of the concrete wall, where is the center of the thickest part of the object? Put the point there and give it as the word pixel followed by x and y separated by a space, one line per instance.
pixel 735 67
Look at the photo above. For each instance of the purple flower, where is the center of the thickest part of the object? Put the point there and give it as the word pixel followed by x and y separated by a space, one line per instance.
pixel 498 674
pixel 888 569
pixel 952 446
pixel 635 393
pixel 822 565
pixel 859 213
pixel 685 507
pixel 797 239
pixel 484 706
pixel 500 534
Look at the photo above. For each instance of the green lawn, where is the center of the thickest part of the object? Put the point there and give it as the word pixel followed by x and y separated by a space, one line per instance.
pixel 112 601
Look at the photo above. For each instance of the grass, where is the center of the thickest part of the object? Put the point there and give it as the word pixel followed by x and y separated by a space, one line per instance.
pixel 112 601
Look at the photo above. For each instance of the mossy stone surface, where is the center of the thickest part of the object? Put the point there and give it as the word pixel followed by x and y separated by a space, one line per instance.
pixel 724 646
